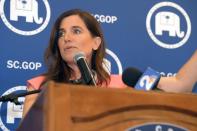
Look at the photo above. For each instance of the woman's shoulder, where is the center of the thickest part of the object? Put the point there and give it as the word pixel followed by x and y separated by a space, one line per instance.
pixel 116 81
pixel 36 82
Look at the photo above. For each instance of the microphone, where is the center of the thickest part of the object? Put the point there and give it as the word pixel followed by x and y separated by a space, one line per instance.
pixel 14 97
pixel 130 76
pixel 141 81
pixel 86 73
pixel 149 80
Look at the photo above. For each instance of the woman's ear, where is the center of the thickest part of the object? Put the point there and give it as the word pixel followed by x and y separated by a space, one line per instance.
pixel 97 42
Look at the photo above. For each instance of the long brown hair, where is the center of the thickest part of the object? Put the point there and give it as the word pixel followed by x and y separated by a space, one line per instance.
pixel 58 70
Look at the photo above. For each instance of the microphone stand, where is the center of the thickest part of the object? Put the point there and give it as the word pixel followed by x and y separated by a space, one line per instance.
pixel 14 97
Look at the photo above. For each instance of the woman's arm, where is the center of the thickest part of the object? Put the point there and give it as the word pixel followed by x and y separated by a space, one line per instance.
pixel 185 78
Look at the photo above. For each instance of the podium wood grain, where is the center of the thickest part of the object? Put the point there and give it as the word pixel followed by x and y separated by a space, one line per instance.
pixel 83 108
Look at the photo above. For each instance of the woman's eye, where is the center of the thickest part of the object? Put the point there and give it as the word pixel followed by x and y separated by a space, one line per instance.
pixel 61 33
pixel 77 31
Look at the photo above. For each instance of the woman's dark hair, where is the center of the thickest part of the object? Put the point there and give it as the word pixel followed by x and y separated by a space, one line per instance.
pixel 58 70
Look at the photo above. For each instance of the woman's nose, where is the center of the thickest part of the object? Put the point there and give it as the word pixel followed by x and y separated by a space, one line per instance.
pixel 67 37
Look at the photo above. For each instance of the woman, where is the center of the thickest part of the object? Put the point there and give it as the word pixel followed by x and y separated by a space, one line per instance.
pixel 185 78
pixel 74 31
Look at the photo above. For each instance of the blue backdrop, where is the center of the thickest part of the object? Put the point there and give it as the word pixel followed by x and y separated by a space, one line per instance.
pixel 139 33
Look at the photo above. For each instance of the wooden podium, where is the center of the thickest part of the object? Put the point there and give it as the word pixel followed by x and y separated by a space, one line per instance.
pixel 63 107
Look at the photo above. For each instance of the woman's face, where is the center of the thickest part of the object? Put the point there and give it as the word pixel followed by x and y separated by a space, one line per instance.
pixel 75 37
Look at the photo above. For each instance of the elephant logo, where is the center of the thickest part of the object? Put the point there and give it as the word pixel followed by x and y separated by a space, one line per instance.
pixel 168 21
pixel 157 126
pixel 11 113
pixel 25 8
pixel 14 111
pixel 164 20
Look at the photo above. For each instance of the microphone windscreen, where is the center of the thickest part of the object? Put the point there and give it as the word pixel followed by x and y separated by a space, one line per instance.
pixel 78 56
pixel 130 76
